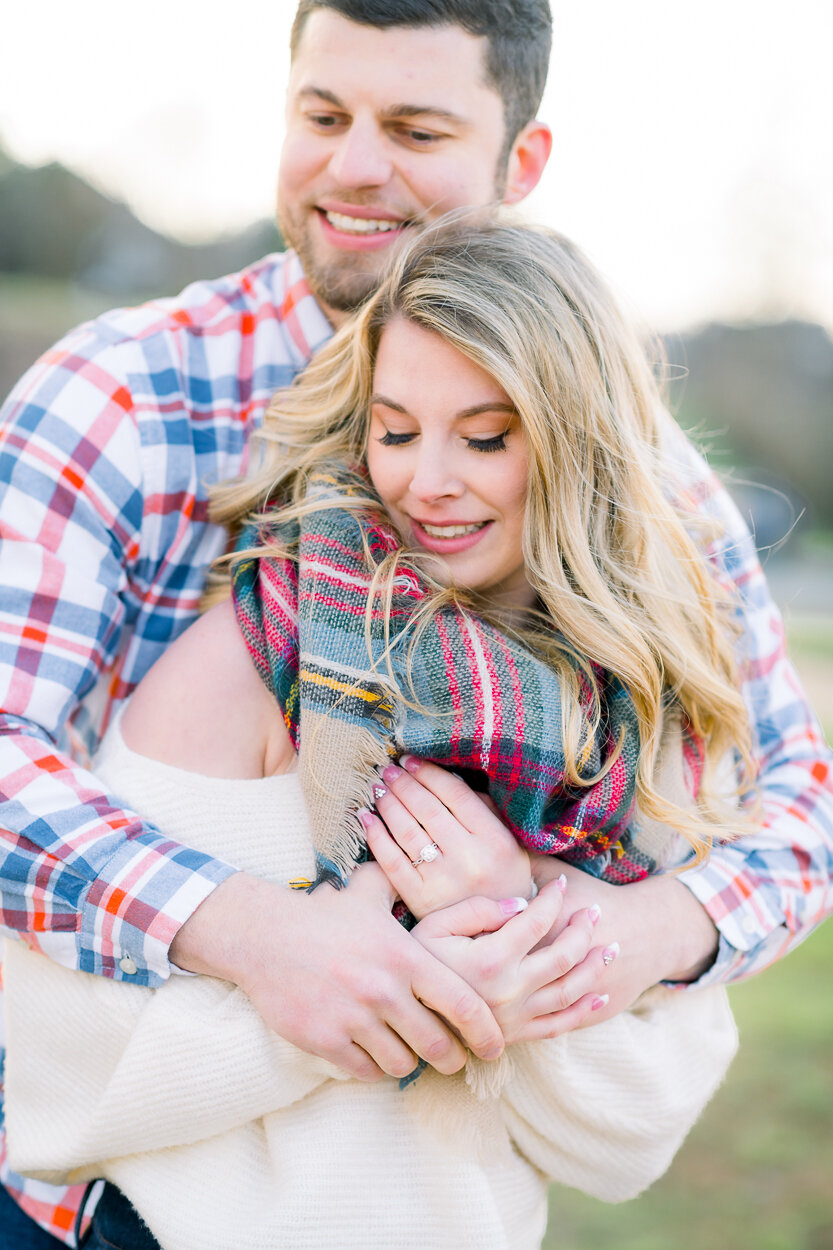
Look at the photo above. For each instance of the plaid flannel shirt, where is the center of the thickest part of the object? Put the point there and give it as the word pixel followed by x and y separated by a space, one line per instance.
pixel 107 448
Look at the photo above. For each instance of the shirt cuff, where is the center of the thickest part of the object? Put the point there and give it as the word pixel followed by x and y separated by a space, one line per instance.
pixel 133 910
pixel 751 936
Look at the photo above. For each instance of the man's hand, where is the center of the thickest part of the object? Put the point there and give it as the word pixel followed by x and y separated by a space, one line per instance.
pixel 335 974
pixel 664 934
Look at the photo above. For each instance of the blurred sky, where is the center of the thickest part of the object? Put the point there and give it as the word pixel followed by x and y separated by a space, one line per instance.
pixel 693 141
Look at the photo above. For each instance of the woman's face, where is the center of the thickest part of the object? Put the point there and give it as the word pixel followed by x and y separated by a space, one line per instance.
pixel 448 458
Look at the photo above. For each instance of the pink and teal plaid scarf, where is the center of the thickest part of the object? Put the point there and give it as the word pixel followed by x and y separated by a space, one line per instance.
pixel 484 704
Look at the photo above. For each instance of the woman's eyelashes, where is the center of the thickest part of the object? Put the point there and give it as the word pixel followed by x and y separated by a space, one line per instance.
pixel 496 443
pixel 389 439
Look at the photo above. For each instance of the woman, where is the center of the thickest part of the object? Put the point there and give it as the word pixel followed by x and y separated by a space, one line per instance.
pixel 463 550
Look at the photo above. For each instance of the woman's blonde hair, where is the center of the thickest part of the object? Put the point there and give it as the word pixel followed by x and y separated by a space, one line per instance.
pixel 612 558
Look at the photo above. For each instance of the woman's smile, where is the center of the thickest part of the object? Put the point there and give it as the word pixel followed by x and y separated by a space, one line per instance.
pixel 448 537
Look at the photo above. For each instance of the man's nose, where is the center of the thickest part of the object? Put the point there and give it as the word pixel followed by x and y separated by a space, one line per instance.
pixel 361 158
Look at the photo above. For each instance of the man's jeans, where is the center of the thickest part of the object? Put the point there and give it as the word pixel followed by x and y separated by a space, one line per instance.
pixel 19 1232
pixel 116 1226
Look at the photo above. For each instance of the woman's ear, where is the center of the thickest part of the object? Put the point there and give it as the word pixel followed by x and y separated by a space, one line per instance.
pixel 530 153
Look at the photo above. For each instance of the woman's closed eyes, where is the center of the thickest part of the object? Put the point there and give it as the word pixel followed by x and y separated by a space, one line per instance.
pixel 496 443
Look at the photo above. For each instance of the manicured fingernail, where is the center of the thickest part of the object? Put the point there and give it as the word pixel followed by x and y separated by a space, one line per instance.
pixel 610 952
pixel 561 882
pixel 601 1000
pixel 379 792
pixel 390 773
pixel 410 762
pixel 511 906
pixel 594 912
pixel 365 816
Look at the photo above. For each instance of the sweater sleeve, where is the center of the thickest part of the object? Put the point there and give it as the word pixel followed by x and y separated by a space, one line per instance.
pixel 605 1109
pixel 133 1070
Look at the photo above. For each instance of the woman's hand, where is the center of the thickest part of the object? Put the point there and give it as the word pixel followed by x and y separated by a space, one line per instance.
pixel 422 805
pixel 533 994
pixel 665 933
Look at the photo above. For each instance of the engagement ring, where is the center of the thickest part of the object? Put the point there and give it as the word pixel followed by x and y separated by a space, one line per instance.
pixel 427 854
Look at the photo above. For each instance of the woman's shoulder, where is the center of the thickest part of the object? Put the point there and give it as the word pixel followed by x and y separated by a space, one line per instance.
pixel 203 707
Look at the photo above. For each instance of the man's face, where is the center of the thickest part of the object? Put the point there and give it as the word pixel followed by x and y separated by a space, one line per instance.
pixel 386 131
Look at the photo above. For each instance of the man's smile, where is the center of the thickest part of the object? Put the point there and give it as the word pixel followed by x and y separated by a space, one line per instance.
pixel 360 225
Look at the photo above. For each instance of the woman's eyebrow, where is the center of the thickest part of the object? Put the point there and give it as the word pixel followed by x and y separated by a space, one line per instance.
pixel 496 405
pixel 389 403
pixel 476 410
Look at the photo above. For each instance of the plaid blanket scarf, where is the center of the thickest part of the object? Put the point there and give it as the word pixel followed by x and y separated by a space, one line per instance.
pixel 475 700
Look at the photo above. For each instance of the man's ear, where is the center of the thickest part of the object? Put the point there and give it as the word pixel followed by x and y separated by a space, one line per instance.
pixel 530 153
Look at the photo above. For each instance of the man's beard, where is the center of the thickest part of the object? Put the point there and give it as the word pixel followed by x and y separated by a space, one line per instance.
pixel 345 284
pixel 341 285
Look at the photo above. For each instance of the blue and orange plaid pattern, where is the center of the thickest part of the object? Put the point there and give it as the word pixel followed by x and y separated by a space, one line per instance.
pixel 107 446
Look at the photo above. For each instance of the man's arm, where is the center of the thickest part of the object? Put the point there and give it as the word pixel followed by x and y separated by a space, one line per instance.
pixel 103 890
pixel 767 891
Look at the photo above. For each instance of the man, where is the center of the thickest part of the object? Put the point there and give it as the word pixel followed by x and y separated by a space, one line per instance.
pixel 398 111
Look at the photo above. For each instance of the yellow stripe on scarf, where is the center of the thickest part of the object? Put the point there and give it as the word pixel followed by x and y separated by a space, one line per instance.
pixel 344 687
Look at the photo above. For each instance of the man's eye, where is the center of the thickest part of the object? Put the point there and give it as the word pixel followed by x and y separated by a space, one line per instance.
pixel 324 121
pixel 420 138
pixel 496 443
pixel 389 439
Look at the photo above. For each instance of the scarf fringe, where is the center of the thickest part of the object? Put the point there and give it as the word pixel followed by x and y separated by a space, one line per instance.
pixel 347 841
pixel 464 1121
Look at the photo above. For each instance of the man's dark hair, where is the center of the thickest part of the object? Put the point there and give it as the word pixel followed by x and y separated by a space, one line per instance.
pixel 519 34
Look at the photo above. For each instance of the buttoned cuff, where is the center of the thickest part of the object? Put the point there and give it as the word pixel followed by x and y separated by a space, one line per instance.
pixel 131 913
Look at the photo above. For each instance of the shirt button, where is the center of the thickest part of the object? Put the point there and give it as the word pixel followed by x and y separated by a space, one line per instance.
pixel 127 966
pixel 749 925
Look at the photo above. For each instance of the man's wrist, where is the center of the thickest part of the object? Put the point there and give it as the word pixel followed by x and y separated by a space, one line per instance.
pixel 696 937
pixel 217 939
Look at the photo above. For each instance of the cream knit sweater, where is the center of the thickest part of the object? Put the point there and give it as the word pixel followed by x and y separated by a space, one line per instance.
pixel 226 1137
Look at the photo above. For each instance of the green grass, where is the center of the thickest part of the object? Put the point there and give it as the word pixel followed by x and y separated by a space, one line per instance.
pixel 47 306
pixel 810 638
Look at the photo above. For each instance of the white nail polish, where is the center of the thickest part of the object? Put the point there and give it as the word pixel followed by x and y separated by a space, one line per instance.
pixel 610 952
pixel 511 906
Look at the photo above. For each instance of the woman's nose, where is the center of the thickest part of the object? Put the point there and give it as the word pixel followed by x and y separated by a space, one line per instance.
pixel 434 476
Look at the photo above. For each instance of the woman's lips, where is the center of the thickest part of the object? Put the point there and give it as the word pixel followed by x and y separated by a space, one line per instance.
pixel 448 544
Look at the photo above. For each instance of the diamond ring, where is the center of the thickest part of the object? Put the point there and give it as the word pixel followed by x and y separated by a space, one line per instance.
pixel 426 855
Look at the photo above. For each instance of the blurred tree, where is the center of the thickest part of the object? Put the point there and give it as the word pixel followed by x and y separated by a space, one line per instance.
pixel 56 225
pixel 762 396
